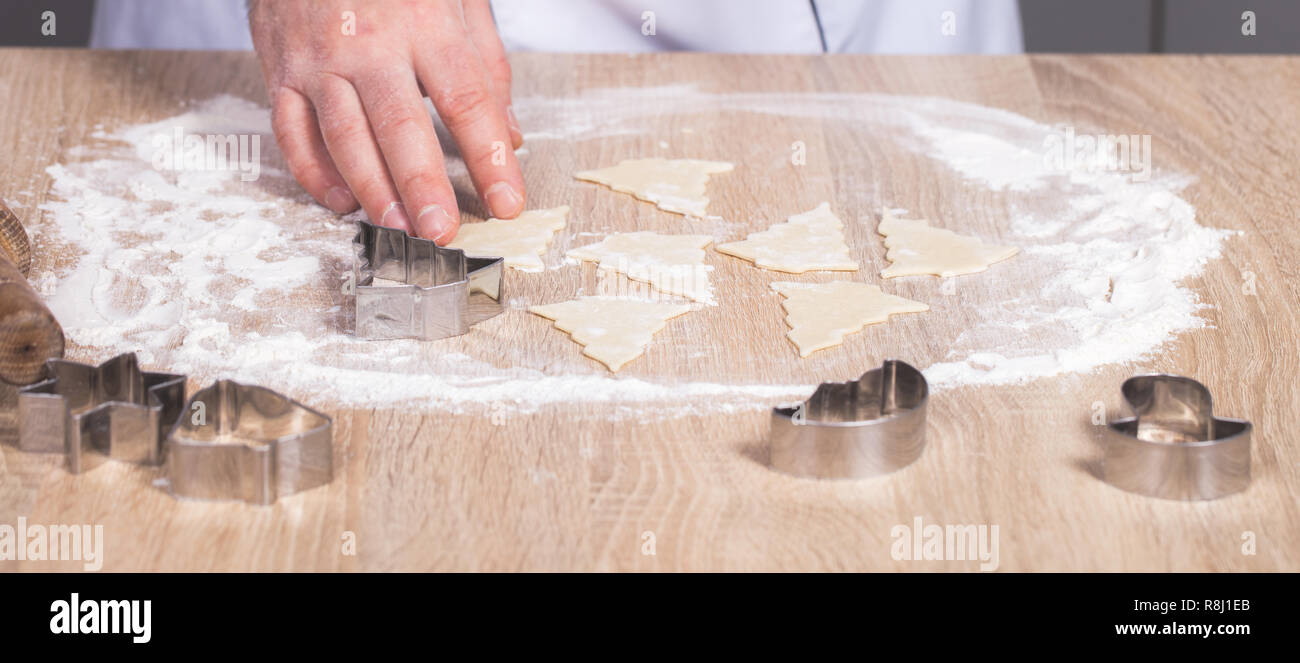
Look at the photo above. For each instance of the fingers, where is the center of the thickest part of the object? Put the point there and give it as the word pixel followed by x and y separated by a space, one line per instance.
pixel 348 137
pixel 409 143
pixel 293 121
pixel 461 91
pixel 483 33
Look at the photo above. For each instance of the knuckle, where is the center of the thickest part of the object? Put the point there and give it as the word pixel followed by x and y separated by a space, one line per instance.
pixel 283 125
pixel 398 122
pixel 290 132
pixel 326 87
pixel 499 65
pixel 463 103
pixel 359 53
pixel 346 133
pixel 419 182
pixel 486 162
pixel 307 171
pixel 374 193
pixel 283 102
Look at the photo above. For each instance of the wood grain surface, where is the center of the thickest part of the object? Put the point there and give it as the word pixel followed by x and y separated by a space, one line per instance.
pixel 575 489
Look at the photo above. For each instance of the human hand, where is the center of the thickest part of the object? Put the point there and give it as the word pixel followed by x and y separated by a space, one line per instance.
pixel 348 112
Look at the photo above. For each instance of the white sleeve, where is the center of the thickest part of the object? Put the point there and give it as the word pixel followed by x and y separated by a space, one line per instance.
pixel 921 26
pixel 174 24
pixel 632 26
pixel 736 26
pixel 761 26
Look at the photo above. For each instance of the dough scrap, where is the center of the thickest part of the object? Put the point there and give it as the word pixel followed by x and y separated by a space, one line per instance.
pixel 813 240
pixel 611 330
pixel 521 241
pixel 673 264
pixel 821 314
pixel 915 249
pixel 674 185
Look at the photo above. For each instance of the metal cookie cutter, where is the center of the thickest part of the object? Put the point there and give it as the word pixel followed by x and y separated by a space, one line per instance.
pixel 241 442
pixel 1174 447
pixel 852 430
pixel 444 291
pixel 114 409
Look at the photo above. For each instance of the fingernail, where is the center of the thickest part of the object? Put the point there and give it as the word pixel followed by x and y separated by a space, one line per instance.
pixel 503 201
pixel 395 217
pixel 340 200
pixel 434 223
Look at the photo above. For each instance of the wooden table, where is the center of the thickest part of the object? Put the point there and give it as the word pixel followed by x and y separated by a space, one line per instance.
pixel 570 489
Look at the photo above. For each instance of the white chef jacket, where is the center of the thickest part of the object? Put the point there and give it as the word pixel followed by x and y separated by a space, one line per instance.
pixel 728 26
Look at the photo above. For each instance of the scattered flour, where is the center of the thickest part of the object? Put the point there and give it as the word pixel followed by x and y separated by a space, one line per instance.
pixel 180 266
pixel 1116 249
pixel 203 274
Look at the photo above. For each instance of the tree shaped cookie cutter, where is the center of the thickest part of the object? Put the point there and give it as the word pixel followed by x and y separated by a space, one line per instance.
pixel 1174 447
pixel 442 291
pixel 243 442
pixel 853 430
pixel 91 413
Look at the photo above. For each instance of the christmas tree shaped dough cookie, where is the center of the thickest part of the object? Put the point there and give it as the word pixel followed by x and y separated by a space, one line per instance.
pixel 821 314
pixel 674 185
pixel 808 241
pixel 521 240
pixel 915 248
pixel 673 264
pixel 612 330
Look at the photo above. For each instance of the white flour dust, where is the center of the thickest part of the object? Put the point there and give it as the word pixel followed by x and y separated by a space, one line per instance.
pixel 1117 250
pixel 203 274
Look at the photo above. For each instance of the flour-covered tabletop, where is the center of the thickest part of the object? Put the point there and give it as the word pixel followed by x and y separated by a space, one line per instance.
pixel 507 448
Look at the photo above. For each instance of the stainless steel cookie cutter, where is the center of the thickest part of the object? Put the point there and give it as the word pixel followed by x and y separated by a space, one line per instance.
pixel 242 442
pixel 1174 447
pixel 852 430
pixel 113 410
pixel 443 291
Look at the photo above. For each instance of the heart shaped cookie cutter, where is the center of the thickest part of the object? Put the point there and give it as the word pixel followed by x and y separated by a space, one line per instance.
pixel 1174 447
pixel 853 430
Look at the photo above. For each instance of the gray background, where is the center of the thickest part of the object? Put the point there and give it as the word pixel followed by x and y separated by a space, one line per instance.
pixel 1159 26
pixel 1062 26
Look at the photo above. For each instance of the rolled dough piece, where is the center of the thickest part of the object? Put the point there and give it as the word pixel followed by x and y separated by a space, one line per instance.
pixel 808 241
pixel 673 264
pixel 914 249
pixel 820 314
pixel 521 241
pixel 675 185
pixel 611 330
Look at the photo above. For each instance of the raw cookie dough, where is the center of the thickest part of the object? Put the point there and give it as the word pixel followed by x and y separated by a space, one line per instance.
pixel 820 314
pixel 612 330
pixel 521 241
pixel 675 185
pixel 812 240
pixel 673 264
pixel 917 249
